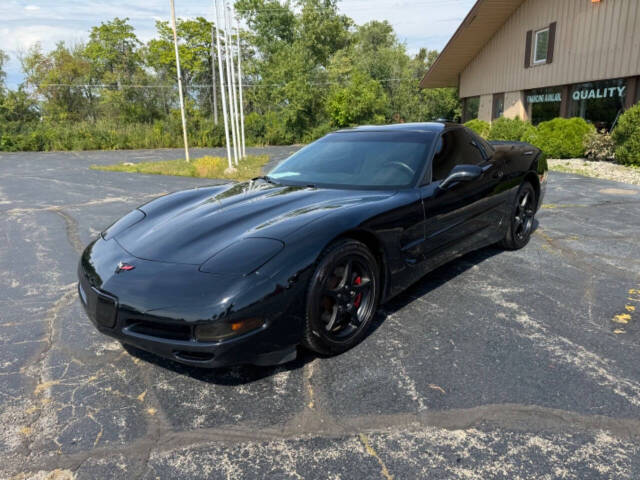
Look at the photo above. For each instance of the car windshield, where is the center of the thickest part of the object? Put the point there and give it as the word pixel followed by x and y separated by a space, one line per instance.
pixel 358 159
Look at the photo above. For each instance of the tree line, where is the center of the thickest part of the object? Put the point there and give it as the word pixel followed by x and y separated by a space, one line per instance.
pixel 307 69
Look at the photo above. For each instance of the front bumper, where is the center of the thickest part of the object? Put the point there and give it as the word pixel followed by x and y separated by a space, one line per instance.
pixel 110 303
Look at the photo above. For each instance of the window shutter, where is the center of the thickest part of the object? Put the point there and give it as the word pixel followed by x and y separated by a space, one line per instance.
pixel 527 50
pixel 552 41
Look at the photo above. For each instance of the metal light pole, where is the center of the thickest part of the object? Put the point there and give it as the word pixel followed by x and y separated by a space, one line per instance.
pixel 244 150
pixel 213 76
pixel 234 96
pixel 184 117
pixel 229 82
pixel 222 91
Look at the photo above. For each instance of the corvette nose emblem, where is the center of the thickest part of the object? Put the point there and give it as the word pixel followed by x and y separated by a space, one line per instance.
pixel 124 267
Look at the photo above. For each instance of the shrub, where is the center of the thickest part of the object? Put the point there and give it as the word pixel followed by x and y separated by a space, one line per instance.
pixel 599 146
pixel 317 132
pixel 508 129
pixel 276 129
pixel 479 126
pixel 627 137
pixel 560 137
pixel 254 127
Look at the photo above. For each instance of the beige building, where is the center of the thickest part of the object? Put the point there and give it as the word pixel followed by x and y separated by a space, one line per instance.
pixel 540 59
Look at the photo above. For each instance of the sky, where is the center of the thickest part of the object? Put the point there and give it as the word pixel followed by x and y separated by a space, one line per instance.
pixel 418 23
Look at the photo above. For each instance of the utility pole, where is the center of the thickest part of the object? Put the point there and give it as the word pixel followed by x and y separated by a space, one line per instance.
pixel 213 76
pixel 222 91
pixel 175 43
pixel 244 150
pixel 230 82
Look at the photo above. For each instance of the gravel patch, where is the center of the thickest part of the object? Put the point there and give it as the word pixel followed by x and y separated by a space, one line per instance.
pixel 606 170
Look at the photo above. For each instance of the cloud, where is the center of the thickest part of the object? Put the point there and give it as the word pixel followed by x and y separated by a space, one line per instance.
pixel 32 8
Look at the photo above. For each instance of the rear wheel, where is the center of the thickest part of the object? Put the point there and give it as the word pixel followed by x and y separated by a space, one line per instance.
pixel 521 220
pixel 342 298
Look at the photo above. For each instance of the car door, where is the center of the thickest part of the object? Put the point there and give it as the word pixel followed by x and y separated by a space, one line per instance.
pixel 466 214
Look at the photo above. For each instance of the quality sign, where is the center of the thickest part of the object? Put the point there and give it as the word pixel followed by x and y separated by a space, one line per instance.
pixel 593 93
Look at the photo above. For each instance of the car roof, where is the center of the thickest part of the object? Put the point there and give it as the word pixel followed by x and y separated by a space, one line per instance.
pixel 435 127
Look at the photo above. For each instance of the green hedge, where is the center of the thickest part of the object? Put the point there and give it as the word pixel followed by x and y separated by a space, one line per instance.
pixel 626 136
pixel 557 138
pixel 560 137
pixel 481 127
pixel 105 135
pixel 509 129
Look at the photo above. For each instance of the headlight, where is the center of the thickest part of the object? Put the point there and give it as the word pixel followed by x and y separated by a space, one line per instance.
pixel 129 220
pixel 243 257
pixel 220 330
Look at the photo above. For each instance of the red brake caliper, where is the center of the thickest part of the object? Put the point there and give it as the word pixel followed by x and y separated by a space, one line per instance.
pixel 358 299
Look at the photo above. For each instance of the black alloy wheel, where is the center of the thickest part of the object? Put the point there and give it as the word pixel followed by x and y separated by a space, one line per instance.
pixel 522 218
pixel 342 298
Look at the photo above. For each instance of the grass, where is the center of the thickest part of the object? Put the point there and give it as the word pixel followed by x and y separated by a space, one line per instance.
pixel 204 167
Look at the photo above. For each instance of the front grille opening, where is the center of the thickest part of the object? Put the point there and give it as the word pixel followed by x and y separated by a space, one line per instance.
pixel 160 330
pixel 193 356
pixel 105 311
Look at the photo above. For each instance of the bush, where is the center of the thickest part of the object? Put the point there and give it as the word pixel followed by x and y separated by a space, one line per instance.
pixel 254 127
pixel 627 137
pixel 560 137
pixel 109 135
pixel 479 126
pixel 508 129
pixel 599 146
pixel 316 133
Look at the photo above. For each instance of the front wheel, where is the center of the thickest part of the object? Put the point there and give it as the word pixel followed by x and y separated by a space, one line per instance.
pixel 342 298
pixel 521 220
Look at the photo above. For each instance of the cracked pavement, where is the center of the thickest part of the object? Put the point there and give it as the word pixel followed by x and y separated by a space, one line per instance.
pixel 499 365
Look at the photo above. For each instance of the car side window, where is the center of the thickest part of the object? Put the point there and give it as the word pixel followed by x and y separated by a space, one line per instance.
pixel 485 148
pixel 454 147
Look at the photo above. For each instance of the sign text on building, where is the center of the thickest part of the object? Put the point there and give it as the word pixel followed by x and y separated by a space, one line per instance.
pixel 545 98
pixel 592 93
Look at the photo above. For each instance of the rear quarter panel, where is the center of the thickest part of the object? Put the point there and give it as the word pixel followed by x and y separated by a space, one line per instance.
pixel 522 161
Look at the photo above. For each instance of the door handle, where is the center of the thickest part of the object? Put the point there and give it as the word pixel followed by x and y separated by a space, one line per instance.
pixel 528 153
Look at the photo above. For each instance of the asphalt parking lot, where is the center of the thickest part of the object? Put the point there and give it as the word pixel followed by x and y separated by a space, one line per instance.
pixel 500 365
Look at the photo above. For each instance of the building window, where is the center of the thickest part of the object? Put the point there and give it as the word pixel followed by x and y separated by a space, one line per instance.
pixel 471 108
pixel 541 46
pixel 498 106
pixel 599 102
pixel 543 104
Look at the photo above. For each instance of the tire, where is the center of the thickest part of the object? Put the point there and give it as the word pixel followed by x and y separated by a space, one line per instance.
pixel 342 298
pixel 521 218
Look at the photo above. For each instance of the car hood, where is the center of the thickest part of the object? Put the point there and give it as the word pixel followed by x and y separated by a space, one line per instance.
pixel 190 227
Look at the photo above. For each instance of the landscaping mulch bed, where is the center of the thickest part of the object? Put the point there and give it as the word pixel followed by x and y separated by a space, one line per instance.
pixel 605 170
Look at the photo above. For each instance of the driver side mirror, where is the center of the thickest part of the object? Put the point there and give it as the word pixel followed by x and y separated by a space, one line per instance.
pixel 461 173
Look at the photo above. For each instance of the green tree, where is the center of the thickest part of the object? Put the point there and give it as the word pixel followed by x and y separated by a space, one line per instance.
pixel 361 101
pixel 113 51
pixel 4 58
pixel 271 24
pixel 288 62
pixel 115 55
pixel 196 62
pixel 322 30
pixel 59 78
pixel 433 103
pixel 18 106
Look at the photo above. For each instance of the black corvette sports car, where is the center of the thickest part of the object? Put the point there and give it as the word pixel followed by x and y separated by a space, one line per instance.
pixel 244 273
